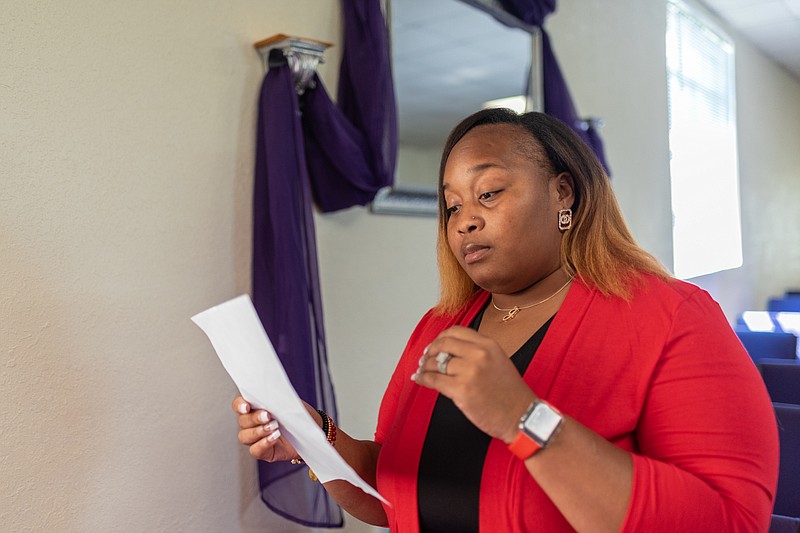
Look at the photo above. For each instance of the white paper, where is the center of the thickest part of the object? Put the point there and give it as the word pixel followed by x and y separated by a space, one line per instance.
pixel 246 352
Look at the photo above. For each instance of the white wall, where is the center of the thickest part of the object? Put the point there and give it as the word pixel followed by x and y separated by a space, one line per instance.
pixel 612 55
pixel 126 134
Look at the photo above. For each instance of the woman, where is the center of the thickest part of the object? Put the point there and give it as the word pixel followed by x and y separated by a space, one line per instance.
pixel 565 380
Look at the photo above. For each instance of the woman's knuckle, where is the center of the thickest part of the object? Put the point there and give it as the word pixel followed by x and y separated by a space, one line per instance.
pixel 254 451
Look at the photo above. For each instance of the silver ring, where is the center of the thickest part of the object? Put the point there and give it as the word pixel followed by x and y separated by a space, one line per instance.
pixel 441 362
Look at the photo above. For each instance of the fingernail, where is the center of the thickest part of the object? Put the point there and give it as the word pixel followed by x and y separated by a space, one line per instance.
pixel 263 416
pixel 272 426
pixel 421 360
pixel 243 408
pixel 414 376
pixel 425 351
pixel 274 436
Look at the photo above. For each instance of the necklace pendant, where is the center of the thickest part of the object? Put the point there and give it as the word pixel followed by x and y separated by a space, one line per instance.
pixel 511 314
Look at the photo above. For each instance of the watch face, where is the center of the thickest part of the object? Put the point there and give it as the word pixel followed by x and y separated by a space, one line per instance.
pixel 542 422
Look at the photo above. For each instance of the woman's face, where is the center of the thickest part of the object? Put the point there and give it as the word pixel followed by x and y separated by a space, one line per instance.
pixel 503 209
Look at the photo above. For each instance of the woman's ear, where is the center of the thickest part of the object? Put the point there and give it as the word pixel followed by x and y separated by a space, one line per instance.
pixel 565 189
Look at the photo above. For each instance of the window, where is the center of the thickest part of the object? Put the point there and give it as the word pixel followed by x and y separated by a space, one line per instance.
pixel 706 230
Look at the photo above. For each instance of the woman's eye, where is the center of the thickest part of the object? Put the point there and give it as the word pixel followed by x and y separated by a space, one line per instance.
pixel 453 210
pixel 487 195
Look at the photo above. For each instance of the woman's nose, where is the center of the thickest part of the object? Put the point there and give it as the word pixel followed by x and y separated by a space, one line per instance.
pixel 470 223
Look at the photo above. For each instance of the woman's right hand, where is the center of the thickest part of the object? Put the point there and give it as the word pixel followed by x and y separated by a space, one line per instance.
pixel 261 432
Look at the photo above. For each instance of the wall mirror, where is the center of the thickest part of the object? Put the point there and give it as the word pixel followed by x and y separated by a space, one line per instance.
pixel 449 58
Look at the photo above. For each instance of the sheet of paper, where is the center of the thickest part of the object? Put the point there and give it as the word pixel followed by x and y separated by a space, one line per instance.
pixel 237 335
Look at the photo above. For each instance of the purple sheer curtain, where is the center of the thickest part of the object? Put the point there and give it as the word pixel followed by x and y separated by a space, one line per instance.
pixel 351 148
pixel 309 150
pixel 557 99
pixel 286 287
pixel 366 88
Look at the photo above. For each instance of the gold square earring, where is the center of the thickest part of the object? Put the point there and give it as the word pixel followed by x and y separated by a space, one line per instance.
pixel 564 219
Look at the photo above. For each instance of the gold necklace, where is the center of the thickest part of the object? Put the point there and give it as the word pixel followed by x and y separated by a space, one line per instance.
pixel 512 312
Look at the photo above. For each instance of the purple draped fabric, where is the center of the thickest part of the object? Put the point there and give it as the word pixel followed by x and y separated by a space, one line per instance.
pixel 533 12
pixel 557 100
pixel 286 287
pixel 366 88
pixel 337 157
pixel 351 149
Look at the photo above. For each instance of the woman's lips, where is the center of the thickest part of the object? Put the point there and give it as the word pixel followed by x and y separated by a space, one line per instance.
pixel 474 253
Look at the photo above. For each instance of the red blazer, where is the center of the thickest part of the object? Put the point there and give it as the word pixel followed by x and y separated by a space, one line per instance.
pixel 662 376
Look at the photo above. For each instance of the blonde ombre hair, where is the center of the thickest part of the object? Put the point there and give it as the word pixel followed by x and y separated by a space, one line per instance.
pixel 598 248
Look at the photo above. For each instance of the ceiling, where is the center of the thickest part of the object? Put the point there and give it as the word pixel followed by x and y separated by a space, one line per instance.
pixel 772 26
pixel 449 57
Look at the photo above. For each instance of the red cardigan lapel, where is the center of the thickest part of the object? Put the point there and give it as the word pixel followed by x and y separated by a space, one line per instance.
pixel 403 448
pixel 501 468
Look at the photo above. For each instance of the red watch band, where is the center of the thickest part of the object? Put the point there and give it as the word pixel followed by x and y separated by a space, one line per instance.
pixel 523 446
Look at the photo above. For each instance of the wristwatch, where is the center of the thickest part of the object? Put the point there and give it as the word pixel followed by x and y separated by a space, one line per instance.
pixel 537 428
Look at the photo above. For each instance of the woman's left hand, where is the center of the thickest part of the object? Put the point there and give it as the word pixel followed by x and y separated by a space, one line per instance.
pixel 481 380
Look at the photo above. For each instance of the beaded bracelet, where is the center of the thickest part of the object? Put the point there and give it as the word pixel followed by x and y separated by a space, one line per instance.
pixel 329 428
pixel 325 422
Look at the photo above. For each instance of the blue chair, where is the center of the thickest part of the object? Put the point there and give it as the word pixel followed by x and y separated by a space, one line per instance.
pixel 784 524
pixel 787 498
pixel 782 378
pixel 772 321
pixel 763 344
pixel 787 303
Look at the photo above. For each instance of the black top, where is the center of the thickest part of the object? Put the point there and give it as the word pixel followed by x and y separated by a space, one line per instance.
pixel 450 468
